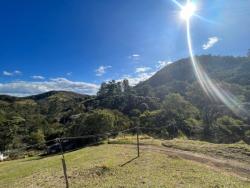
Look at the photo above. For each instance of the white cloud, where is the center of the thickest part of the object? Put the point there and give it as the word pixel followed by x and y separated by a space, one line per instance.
pixel 135 57
pixel 25 88
pixel 16 72
pixel 162 64
pixel 102 70
pixel 210 43
pixel 69 73
pixel 142 69
pixel 6 73
pixel 133 80
pixel 36 77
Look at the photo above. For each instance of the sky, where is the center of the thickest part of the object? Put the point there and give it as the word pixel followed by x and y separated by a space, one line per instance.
pixel 76 45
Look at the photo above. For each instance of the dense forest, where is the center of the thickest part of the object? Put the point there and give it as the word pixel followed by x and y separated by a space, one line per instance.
pixel 172 99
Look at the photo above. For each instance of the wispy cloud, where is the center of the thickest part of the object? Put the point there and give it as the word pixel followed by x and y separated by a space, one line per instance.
pixel 14 73
pixel 6 73
pixel 17 72
pixel 69 73
pixel 210 43
pixel 162 64
pixel 37 77
pixel 142 69
pixel 25 88
pixel 102 70
pixel 133 80
pixel 135 57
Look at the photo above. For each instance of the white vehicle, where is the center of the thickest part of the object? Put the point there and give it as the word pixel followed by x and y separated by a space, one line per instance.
pixel 2 158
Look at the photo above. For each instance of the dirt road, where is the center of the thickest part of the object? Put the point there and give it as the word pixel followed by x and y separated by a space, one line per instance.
pixel 226 166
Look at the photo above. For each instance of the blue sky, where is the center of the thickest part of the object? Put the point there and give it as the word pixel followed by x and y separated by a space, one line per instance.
pixel 77 44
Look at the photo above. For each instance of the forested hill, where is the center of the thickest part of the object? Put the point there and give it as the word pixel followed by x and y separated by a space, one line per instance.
pixel 45 96
pixel 233 72
pixel 172 98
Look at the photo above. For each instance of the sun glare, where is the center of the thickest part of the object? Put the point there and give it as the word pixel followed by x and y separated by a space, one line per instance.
pixel 188 11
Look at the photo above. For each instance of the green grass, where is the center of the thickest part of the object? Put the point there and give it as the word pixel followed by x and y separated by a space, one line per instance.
pixel 238 151
pixel 131 139
pixel 100 166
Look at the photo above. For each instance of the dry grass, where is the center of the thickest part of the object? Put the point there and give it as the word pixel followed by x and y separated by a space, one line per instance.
pixel 238 151
pixel 101 166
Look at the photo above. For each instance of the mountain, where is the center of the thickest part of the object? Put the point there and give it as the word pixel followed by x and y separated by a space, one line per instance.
pixel 232 73
pixel 234 70
pixel 53 105
pixel 46 95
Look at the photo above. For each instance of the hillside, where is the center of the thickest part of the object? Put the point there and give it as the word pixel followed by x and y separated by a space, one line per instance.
pixel 232 72
pixel 44 96
pixel 229 69
pixel 116 166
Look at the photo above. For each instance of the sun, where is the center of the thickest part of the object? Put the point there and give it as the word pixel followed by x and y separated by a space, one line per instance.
pixel 188 10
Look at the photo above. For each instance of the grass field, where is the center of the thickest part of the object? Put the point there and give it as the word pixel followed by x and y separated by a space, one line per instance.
pixel 101 166
pixel 238 151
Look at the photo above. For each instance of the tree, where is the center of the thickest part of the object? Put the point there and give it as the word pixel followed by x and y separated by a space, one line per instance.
pixel 99 121
pixel 125 86
pixel 110 89
pixel 37 138
pixel 145 90
pixel 177 111
pixel 228 130
pixel 178 105
pixel 135 112
pixel 143 107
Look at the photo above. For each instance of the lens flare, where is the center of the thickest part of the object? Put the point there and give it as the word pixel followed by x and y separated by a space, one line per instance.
pixel 188 11
pixel 210 87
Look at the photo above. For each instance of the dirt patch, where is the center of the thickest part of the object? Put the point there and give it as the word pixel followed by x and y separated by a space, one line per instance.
pixel 96 171
pixel 232 167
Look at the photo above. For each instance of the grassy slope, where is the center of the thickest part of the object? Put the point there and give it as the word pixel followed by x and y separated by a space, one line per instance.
pixel 99 166
pixel 238 151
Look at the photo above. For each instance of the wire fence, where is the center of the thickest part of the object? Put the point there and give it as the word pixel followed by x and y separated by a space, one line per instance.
pixel 59 147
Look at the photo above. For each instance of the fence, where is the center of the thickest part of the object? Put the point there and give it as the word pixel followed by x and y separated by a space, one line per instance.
pixel 60 142
pixel 62 163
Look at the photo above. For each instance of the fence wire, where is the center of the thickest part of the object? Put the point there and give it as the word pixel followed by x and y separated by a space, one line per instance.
pixel 48 172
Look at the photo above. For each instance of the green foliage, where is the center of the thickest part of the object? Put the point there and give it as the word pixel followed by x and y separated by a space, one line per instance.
pixel 171 98
pixel 177 115
pixel 228 129
pixel 226 120
pixel 176 104
pixel 37 137
pixel 247 137
pixel 99 121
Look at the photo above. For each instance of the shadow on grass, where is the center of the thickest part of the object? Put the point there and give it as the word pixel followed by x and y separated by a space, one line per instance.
pixel 129 161
pixel 43 156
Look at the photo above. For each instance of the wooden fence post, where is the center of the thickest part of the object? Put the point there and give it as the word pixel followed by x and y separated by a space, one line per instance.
pixel 63 164
pixel 138 143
